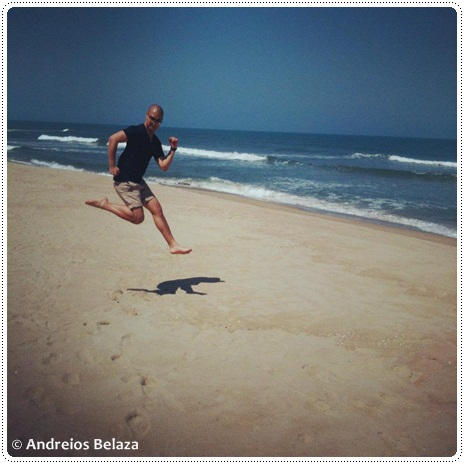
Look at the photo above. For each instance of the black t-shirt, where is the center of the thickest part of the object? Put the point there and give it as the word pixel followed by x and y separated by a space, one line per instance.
pixel 139 150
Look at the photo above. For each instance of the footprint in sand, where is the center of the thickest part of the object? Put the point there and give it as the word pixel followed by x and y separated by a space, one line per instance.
pixel 117 295
pixel 131 311
pixel 129 378
pixel 322 406
pixel 52 357
pixel 102 324
pixel 72 378
pixel 138 424
pixel 125 339
pixel 39 398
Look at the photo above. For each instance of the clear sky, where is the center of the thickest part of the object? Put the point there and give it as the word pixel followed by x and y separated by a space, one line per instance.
pixel 368 71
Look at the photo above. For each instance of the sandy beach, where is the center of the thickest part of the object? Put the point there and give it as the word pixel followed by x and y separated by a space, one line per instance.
pixel 283 333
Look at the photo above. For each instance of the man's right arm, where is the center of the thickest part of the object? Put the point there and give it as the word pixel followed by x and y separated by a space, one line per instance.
pixel 113 142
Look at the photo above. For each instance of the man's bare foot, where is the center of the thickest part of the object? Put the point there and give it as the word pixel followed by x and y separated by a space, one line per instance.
pixel 98 203
pixel 178 250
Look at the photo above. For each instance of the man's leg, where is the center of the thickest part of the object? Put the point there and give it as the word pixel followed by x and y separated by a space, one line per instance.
pixel 124 212
pixel 154 206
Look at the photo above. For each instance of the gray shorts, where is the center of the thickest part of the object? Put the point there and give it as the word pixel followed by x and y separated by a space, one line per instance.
pixel 132 194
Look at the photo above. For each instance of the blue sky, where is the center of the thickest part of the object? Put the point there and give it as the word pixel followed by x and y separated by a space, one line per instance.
pixel 367 71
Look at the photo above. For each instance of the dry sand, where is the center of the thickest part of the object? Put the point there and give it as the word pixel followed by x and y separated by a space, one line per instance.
pixel 282 334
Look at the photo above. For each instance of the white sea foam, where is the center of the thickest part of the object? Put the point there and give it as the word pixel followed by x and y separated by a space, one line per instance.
pixel 11 147
pixel 310 203
pixel 401 159
pixel 120 145
pixel 54 165
pixel 366 155
pixel 223 155
pixel 67 139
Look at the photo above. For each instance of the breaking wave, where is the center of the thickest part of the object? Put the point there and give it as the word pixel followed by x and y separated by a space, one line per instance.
pixel 402 159
pixel 309 203
pixel 67 139
pixel 220 155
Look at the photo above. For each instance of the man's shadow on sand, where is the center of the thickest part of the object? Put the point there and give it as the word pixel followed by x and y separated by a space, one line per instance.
pixel 170 287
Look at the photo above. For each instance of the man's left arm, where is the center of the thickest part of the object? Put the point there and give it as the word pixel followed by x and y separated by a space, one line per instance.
pixel 166 161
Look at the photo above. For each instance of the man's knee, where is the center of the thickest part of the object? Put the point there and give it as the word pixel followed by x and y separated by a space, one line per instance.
pixel 138 216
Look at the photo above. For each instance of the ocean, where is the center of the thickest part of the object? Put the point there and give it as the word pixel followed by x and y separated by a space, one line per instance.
pixel 403 182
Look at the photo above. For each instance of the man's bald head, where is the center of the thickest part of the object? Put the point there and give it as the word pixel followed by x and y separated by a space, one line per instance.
pixel 155 107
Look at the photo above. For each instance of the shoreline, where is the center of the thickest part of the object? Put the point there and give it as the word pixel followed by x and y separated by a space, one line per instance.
pixel 272 338
pixel 328 215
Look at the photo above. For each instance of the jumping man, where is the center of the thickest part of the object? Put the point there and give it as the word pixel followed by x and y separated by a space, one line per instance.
pixel 141 145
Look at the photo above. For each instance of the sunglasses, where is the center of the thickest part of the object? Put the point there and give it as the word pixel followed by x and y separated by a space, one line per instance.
pixel 155 120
